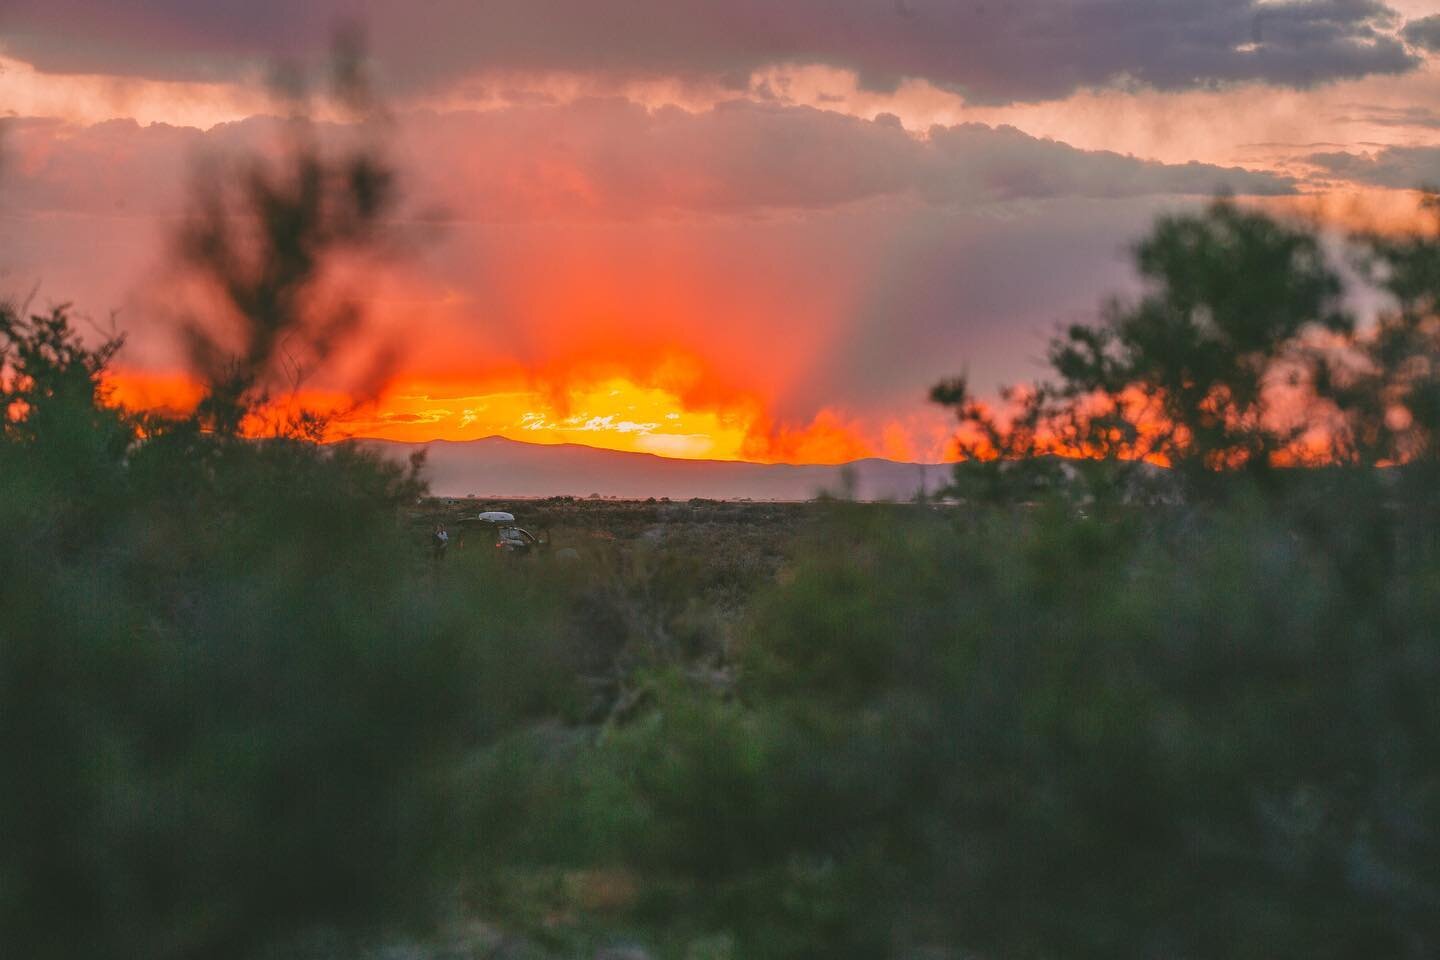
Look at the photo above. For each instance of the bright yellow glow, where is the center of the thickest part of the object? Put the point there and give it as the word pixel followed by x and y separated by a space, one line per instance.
pixel 613 413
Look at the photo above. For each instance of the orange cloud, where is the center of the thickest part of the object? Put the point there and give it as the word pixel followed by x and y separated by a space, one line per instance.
pixel 172 394
pixel 1362 209
pixel 91 98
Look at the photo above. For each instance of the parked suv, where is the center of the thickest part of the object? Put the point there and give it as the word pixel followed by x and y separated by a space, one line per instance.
pixel 517 540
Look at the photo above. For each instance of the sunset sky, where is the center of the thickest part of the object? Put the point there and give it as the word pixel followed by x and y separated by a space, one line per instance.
pixel 756 229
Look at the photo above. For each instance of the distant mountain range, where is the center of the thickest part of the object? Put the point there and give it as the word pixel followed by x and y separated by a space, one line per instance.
pixel 497 467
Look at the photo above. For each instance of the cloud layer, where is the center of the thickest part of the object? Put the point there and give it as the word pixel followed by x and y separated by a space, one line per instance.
pixel 991 51
pixel 612 159
pixel 1399 168
pixel 1424 33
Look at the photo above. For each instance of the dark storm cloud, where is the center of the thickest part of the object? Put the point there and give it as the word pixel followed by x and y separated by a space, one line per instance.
pixel 1424 33
pixel 613 159
pixel 990 50
pixel 1401 168
pixel 972 159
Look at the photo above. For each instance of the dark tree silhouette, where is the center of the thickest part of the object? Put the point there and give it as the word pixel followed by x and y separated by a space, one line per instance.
pixel 1199 372
pixel 262 238
pixel 1385 383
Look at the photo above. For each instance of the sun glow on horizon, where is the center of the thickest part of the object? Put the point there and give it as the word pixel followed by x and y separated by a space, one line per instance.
pixel 613 413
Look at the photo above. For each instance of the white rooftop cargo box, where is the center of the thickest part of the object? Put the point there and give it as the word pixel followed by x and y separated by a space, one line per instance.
pixel 496 516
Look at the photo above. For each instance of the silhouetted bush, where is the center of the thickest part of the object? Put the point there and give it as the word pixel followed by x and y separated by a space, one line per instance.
pixel 234 704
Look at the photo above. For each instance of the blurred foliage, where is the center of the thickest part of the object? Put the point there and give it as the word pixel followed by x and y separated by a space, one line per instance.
pixel 229 695
pixel 1386 385
pixel 234 701
pixel 1018 733
pixel 1168 736
pixel 264 239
